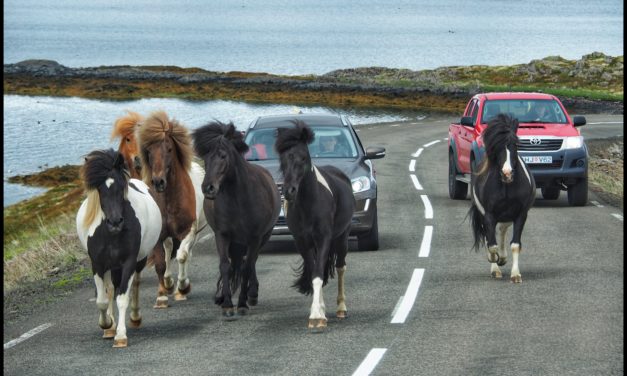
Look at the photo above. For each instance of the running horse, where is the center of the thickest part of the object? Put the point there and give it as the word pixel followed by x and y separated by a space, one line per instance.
pixel 124 129
pixel 242 204
pixel 320 206
pixel 166 158
pixel 503 190
pixel 118 224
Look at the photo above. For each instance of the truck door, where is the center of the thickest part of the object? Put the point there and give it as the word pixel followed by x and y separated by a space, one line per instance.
pixel 466 137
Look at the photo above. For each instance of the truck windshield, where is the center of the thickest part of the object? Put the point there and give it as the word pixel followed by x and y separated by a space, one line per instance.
pixel 525 110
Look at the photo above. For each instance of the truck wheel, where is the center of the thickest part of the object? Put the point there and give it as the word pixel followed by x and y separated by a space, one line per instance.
pixel 550 193
pixel 457 190
pixel 578 193
pixel 370 240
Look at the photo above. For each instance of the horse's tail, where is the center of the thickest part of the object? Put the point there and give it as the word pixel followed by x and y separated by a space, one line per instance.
pixel 478 227
pixel 305 271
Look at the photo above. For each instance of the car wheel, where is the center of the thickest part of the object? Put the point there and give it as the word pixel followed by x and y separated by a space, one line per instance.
pixel 457 190
pixel 370 240
pixel 550 193
pixel 578 193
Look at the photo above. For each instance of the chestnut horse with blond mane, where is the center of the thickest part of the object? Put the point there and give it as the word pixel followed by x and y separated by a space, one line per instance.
pixel 166 158
pixel 124 129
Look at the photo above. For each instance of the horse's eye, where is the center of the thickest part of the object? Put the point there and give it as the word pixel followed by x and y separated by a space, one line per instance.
pixel 169 150
pixel 128 140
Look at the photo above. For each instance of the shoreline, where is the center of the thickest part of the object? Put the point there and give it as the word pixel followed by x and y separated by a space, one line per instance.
pixel 592 84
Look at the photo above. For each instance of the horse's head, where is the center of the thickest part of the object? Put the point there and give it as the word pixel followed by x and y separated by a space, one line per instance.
pixel 501 144
pixel 221 147
pixel 164 145
pixel 292 146
pixel 124 129
pixel 106 181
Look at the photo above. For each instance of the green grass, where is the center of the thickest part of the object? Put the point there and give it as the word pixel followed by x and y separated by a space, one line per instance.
pixel 74 279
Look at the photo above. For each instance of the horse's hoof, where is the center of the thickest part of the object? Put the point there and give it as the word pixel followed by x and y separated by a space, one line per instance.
pixel 497 275
pixel 109 333
pixel 317 325
pixel 501 261
pixel 168 283
pixel 516 279
pixel 162 302
pixel 120 342
pixel 135 323
pixel 242 311
pixel 178 296
pixel 341 314
pixel 252 300
pixel 229 314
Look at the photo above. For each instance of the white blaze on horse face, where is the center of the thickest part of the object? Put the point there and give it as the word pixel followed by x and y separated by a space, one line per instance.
pixel 109 182
pixel 507 166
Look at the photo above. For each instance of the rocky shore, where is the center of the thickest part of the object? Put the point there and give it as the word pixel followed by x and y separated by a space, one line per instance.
pixel 592 84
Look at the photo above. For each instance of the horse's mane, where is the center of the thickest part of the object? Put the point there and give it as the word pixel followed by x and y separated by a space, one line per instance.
pixel 94 172
pixel 289 137
pixel 155 129
pixel 501 131
pixel 126 125
pixel 209 136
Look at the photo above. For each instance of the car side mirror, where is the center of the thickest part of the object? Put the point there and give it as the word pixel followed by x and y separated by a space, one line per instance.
pixel 375 152
pixel 467 121
pixel 579 120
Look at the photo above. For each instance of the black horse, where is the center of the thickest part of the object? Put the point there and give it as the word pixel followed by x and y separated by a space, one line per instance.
pixel 320 206
pixel 242 204
pixel 503 190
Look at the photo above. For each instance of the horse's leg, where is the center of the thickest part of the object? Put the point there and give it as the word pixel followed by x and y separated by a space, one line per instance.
pixel 168 282
pixel 160 267
pixel 124 291
pixel 136 317
pixel 222 245
pixel 317 316
pixel 252 253
pixel 502 229
pixel 183 256
pixel 493 248
pixel 105 320
pixel 253 282
pixel 519 224
pixel 341 247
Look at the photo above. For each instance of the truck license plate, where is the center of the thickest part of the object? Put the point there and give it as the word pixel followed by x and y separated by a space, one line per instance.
pixel 538 159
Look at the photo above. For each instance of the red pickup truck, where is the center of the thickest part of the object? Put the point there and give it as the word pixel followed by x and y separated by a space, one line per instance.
pixel 550 143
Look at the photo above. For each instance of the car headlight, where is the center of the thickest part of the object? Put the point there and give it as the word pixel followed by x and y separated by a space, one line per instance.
pixel 573 142
pixel 360 184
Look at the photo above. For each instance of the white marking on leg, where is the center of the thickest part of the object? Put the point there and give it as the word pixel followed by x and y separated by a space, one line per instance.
pixel 495 271
pixel 167 275
pixel 102 301
pixel 317 312
pixel 502 228
pixel 428 208
pixel 27 335
pixel 341 298
pixel 370 362
pixel 414 180
pixel 135 314
pixel 123 300
pixel 425 246
pixel 409 298
pixel 515 253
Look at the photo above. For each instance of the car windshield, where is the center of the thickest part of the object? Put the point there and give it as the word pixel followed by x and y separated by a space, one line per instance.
pixel 328 143
pixel 525 110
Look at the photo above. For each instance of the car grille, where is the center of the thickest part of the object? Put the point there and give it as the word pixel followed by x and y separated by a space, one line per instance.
pixel 546 144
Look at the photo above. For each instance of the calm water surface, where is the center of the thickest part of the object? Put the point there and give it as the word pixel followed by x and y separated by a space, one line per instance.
pixel 300 37
pixel 42 132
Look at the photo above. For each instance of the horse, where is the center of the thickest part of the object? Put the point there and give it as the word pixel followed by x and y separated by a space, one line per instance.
pixel 242 204
pixel 118 224
pixel 166 155
pixel 502 192
pixel 124 129
pixel 319 211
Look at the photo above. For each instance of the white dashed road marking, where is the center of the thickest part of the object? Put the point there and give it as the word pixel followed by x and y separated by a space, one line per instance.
pixel 417 153
pixel 617 216
pixel 428 208
pixel 425 246
pixel 414 179
pixel 409 298
pixel 431 143
pixel 371 361
pixel 412 165
pixel 27 335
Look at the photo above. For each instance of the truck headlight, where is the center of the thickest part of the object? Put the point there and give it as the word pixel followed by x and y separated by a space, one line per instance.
pixel 360 184
pixel 573 142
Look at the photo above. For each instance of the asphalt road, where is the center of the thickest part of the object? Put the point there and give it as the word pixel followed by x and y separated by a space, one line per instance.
pixel 565 318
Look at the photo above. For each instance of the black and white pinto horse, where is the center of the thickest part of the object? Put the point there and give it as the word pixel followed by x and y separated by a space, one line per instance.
pixel 118 224
pixel 502 192
pixel 320 206
pixel 242 204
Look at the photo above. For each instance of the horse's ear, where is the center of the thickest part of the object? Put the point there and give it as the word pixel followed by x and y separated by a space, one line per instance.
pixel 236 138
pixel 307 135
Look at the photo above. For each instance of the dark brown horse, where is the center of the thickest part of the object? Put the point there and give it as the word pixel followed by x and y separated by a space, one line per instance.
pixel 166 159
pixel 320 206
pixel 242 204
pixel 124 129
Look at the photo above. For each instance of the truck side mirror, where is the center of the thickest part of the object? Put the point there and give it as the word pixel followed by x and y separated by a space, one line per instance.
pixel 467 121
pixel 374 152
pixel 579 120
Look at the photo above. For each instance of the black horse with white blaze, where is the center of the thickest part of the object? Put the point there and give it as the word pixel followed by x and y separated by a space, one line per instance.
pixel 502 192
pixel 320 206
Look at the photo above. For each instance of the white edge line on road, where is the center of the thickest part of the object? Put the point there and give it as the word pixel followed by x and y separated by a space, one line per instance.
pixel 445 139
pixel 617 216
pixel 428 208
pixel 27 335
pixel 596 203
pixel 425 246
pixel 431 143
pixel 409 298
pixel 370 362
pixel 607 122
pixel 414 179
pixel 417 153
pixel 394 125
pixel 412 165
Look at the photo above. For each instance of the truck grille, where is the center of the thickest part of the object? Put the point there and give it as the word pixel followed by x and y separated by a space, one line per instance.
pixel 546 144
